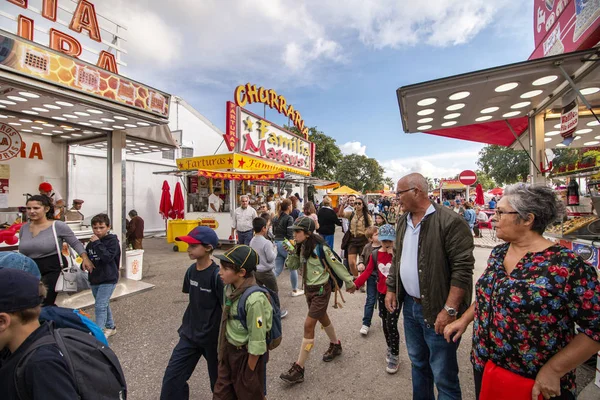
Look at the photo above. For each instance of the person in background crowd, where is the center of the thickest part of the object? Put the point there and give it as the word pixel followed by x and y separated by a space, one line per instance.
pixel 372 235
pixel 199 330
pixel 74 213
pixel 104 251
pixel 262 208
pixel 393 214
pixel 481 217
pixel 282 229
pixel 135 230
pixel 242 221
pixel 385 202
pixel 300 200
pixel 371 207
pixel 384 254
pixel 327 219
pixel 347 206
pixel 296 210
pixel 56 199
pixel 359 221
pixel 310 211
pixel 37 241
pixel 214 201
pixel 46 375
pixel 318 292
pixel 432 274
pixel 271 205
pixel 469 215
pixel 380 220
pixel 547 298
pixel 492 204
pixel 446 203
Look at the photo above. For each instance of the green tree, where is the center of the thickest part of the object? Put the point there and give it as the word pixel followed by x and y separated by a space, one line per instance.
pixel 327 152
pixel 360 173
pixel 485 180
pixel 503 164
pixel 390 182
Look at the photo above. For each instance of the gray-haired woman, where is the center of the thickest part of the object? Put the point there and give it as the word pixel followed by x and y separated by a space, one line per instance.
pixel 528 302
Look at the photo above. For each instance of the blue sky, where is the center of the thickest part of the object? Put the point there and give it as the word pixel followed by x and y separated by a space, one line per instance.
pixel 338 62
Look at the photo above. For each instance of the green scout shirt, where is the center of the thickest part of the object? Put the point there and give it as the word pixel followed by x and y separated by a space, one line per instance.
pixel 259 318
pixel 315 271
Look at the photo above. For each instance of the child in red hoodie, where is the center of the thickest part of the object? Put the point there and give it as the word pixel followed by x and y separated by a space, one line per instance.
pixel 382 260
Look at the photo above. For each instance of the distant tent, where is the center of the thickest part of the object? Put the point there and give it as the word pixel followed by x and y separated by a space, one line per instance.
pixel 343 191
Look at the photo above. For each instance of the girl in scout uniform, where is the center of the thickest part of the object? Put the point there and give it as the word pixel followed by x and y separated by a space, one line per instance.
pixel 243 354
pixel 317 290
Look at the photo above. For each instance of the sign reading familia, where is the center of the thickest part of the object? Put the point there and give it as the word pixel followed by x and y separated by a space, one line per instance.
pixel 261 138
pixel 84 19
pixel 248 94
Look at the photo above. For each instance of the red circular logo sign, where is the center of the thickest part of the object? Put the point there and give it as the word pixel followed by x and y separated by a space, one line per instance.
pixel 467 177
pixel 10 142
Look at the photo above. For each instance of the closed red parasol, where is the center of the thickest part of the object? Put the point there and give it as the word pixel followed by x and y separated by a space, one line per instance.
pixel 178 208
pixel 479 200
pixel 165 201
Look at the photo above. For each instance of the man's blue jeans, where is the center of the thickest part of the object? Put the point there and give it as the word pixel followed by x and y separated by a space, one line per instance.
pixel 102 293
pixel 371 300
pixel 280 263
pixel 245 237
pixel 329 240
pixel 433 359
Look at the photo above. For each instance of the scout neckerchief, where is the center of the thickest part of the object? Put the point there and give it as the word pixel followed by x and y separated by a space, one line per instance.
pixel 231 295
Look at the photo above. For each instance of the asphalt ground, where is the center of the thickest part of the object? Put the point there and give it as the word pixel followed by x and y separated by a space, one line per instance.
pixel 147 326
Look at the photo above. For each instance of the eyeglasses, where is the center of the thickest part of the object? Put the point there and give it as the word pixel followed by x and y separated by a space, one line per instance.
pixel 500 213
pixel 399 192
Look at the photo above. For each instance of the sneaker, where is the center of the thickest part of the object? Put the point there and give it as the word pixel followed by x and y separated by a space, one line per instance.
pixel 109 332
pixel 364 330
pixel 297 292
pixel 393 364
pixel 284 313
pixel 388 355
pixel 333 351
pixel 294 375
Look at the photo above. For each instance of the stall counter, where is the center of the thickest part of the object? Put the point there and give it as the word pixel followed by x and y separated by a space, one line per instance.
pixel 220 222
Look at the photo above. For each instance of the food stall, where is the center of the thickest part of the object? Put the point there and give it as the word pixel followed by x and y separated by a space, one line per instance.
pixel 452 189
pixel 539 104
pixel 51 100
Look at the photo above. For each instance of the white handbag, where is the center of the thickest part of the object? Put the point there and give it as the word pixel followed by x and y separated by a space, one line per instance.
pixel 67 281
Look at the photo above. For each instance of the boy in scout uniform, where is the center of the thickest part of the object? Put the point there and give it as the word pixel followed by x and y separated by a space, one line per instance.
pixel 243 354
pixel 309 251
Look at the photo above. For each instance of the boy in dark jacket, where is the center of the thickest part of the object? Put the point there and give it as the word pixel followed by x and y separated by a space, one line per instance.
pixel 104 250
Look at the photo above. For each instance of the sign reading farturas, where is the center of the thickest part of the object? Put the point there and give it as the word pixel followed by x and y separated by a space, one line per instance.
pixel 263 139
pixel 10 142
pixel 563 26
pixel 84 18
pixel 248 94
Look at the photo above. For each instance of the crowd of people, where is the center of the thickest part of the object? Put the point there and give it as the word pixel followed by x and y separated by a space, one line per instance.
pixel 535 310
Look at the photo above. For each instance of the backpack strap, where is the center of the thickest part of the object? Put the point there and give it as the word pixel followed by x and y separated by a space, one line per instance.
pixel 216 285
pixel 241 308
pixel 325 263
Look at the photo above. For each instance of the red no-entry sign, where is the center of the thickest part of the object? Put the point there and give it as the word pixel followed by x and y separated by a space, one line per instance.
pixel 467 177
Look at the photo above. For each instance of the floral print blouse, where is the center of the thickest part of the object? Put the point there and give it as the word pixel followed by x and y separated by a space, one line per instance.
pixel 524 318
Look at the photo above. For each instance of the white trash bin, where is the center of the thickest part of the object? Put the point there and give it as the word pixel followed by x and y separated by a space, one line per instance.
pixel 135 260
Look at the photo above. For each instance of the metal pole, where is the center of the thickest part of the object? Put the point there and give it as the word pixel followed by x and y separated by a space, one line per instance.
pixel 109 175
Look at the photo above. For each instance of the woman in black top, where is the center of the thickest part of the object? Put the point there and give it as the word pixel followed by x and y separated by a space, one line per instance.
pixel 328 219
pixel 282 230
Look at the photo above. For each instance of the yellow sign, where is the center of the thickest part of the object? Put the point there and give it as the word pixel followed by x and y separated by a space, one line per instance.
pixel 212 163
pixel 249 163
pixel 248 94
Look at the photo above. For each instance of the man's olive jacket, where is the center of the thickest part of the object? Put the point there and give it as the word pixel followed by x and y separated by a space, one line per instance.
pixel 445 259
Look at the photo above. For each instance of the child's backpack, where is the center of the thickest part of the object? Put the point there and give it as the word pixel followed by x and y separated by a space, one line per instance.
pixel 332 274
pixel 70 318
pixel 94 367
pixel 274 335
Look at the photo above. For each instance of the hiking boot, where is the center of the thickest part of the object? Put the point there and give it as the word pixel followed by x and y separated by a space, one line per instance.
pixel 333 351
pixel 284 313
pixel 108 332
pixel 364 330
pixel 393 364
pixel 294 375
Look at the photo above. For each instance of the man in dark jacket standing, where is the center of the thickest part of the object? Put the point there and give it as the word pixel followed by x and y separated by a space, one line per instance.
pixel 432 274
pixel 328 219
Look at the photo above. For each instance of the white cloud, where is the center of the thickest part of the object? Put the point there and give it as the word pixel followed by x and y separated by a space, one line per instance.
pixel 353 148
pixel 441 165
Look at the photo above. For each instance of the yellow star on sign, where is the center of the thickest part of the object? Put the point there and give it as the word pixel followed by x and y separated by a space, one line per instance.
pixel 249 124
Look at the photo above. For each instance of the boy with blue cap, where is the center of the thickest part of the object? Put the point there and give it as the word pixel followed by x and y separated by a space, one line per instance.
pixel 199 331
pixel 46 374
pixel 381 261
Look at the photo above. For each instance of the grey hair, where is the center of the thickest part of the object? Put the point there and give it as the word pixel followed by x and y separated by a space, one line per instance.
pixel 418 181
pixel 539 200
pixel 244 197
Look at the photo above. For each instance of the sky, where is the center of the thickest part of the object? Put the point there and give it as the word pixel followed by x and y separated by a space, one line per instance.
pixel 339 62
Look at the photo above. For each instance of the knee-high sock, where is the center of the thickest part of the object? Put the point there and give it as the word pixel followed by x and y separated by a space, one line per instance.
pixel 307 345
pixel 330 331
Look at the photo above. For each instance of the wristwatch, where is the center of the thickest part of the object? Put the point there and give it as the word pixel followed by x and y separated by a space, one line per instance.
pixel 451 311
